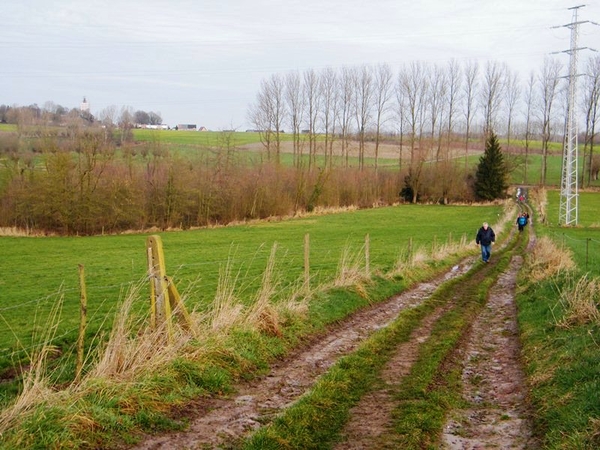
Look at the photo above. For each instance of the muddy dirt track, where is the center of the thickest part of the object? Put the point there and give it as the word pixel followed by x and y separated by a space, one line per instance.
pixel 494 388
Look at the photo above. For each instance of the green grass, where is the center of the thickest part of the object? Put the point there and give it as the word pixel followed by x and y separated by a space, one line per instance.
pixel 562 363
pixel 200 138
pixel 37 272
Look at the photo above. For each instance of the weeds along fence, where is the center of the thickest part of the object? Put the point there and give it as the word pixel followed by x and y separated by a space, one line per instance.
pixel 28 321
pixel 585 248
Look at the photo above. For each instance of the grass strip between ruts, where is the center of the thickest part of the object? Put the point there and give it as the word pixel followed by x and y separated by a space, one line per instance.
pixel 316 420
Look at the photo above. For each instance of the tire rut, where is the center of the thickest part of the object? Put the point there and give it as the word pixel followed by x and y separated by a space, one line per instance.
pixel 371 418
pixel 227 420
pixel 494 388
pixel 497 415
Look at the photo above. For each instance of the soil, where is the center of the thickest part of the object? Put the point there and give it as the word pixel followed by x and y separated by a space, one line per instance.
pixel 494 386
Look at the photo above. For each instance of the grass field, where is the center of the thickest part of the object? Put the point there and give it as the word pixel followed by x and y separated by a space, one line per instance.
pixel 37 272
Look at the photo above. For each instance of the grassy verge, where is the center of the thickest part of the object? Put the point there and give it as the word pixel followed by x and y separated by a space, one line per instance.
pixel 559 317
pixel 562 362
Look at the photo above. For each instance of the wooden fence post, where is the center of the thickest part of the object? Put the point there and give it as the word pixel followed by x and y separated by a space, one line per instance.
pixel 367 255
pixel 82 323
pixel 306 260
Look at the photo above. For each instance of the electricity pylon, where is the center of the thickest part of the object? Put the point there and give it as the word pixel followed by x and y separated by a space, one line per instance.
pixel 569 197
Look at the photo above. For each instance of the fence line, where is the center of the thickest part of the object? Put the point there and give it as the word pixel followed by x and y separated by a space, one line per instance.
pixel 22 335
pixel 591 255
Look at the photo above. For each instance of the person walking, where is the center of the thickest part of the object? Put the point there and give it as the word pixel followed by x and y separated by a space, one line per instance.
pixel 485 237
pixel 521 221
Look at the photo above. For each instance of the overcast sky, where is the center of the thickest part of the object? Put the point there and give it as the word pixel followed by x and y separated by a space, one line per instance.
pixel 202 61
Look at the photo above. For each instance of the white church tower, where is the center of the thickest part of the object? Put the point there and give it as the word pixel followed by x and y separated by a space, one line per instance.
pixel 85 106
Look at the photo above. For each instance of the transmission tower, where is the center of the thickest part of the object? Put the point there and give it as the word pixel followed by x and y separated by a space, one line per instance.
pixel 569 197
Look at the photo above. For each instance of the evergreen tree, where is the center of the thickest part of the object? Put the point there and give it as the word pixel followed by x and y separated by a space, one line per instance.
pixel 491 176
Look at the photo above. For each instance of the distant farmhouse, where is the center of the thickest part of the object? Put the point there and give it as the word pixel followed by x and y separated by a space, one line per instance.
pixel 186 126
pixel 152 127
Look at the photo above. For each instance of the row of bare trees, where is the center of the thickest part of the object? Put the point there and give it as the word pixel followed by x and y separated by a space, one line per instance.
pixel 432 108
pixel 89 185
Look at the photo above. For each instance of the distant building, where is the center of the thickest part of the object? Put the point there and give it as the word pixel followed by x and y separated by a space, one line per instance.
pixel 85 106
pixel 186 126
pixel 152 127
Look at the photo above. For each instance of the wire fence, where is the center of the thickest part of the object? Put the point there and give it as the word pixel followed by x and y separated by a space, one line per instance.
pixel 585 246
pixel 25 321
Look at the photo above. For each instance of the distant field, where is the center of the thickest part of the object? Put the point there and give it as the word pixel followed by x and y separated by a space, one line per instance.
pixel 198 144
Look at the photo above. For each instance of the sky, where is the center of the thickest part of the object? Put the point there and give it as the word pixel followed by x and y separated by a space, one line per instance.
pixel 202 61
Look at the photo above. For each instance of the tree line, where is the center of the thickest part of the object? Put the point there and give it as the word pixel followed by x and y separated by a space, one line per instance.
pixel 91 183
pixel 434 110
pixel 52 114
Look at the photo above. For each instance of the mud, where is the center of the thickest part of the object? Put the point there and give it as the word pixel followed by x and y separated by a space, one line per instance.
pixel 496 415
pixel 229 419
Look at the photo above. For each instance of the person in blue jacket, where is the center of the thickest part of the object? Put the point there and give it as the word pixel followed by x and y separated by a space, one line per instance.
pixel 485 237
pixel 522 221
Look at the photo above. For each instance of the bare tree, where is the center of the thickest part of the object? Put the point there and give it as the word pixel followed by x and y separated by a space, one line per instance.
pixel 312 99
pixel 453 78
pixel 513 94
pixel 126 124
pixel 363 107
pixel 329 97
pixel 401 109
pixel 108 116
pixel 470 92
pixel 591 100
pixel 276 90
pixel 383 95
pixel 437 102
pixel 295 107
pixel 268 115
pixel 412 83
pixel 549 79
pixel 346 96
pixel 530 102
pixel 492 91
pixel 259 115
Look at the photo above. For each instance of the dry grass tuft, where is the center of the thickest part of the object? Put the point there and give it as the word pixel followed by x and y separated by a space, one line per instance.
pixel 547 259
pixel 581 300
pixel 227 309
pixel 263 315
pixel 361 290
pixel 36 387
pixel 539 198
pixel 127 354
pixel 595 429
pixel 350 269
pixel 23 232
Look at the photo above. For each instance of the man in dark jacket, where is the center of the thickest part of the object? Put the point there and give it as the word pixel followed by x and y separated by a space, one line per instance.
pixel 485 237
